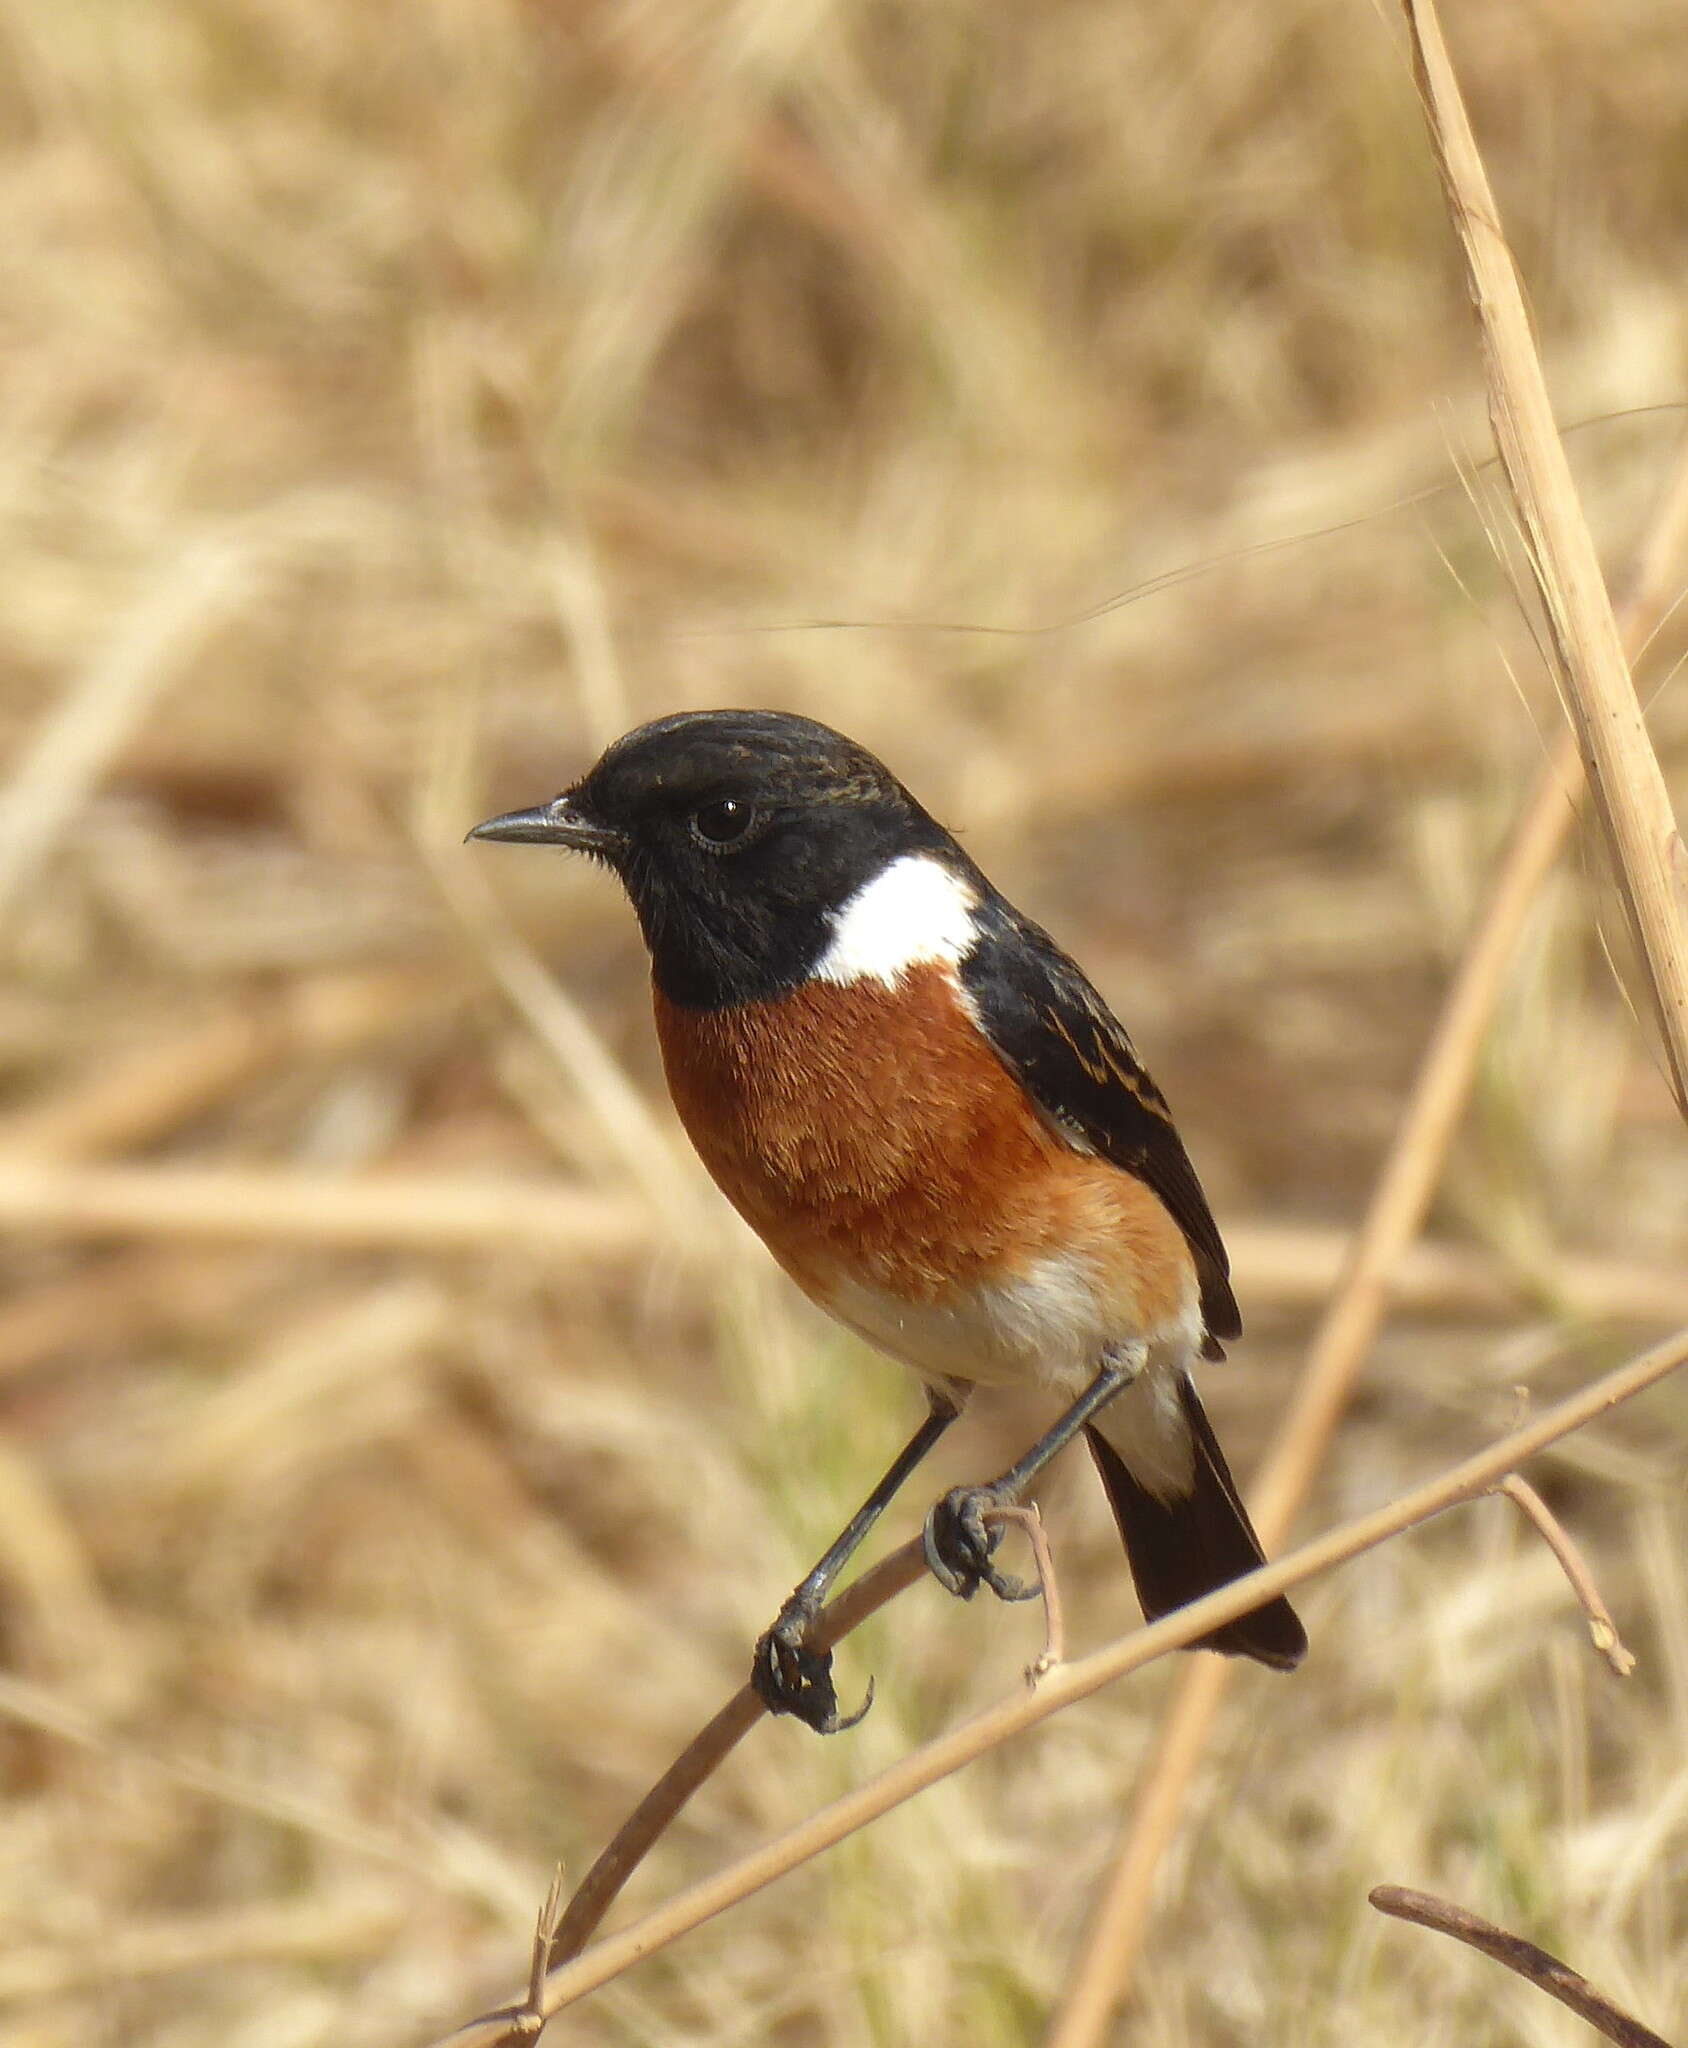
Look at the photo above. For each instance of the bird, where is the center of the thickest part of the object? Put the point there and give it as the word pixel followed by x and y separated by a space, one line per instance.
pixel 942 1134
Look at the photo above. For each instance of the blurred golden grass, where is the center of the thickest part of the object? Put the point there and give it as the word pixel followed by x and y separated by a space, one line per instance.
pixel 398 402
pixel 562 1973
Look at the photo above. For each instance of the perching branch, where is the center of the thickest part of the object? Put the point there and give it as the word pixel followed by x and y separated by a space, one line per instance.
pixel 1533 1964
pixel 710 1748
pixel 715 1742
pixel 1476 1476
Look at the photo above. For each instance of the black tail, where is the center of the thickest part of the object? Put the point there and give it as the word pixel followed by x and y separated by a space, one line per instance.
pixel 1180 1549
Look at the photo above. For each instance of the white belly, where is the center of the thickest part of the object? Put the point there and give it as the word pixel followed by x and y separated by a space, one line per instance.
pixel 1046 1329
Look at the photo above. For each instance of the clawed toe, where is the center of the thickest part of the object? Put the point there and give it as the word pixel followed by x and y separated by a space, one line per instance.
pixel 792 1678
pixel 959 1545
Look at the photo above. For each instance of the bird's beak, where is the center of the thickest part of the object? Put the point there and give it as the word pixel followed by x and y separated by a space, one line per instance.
pixel 557 823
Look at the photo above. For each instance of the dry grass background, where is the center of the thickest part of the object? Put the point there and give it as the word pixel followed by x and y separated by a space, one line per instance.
pixel 396 403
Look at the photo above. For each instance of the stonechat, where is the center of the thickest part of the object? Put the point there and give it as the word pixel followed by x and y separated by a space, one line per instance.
pixel 939 1130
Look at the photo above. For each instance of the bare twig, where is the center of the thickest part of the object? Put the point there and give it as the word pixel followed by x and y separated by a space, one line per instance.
pixel 1054 1649
pixel 709 1748
pixel 1393 1218
pixel 527 2022
pixel 1623 771
pixel 1533 1964
pixel 941 1758
pixel 1601 1627
pixel 715 1742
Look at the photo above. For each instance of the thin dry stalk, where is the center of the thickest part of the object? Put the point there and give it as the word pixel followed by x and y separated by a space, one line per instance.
pixel 1533 1964
pixel 1054 1651
pixel 1025 1709
pixel 1394 1215
pixel 1601 1627
pixel 715 1742
pixel 709 1749
pixel 528 2022
pixel 1623 771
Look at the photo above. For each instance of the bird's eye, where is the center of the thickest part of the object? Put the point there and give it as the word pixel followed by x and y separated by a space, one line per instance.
pixel 720 824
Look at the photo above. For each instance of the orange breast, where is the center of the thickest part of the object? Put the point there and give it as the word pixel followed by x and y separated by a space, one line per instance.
pixel 871 1132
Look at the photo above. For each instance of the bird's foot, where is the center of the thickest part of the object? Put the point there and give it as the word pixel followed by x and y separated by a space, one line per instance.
pixel 791 1677
pixel 960 1544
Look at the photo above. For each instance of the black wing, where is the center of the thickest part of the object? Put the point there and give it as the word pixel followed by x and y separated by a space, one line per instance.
pixel 1071 1054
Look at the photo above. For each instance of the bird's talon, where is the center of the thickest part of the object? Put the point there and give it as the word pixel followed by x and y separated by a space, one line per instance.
pixel 837 1726
pixel 959 1543
pixel 791 1678
pixel 1006 1587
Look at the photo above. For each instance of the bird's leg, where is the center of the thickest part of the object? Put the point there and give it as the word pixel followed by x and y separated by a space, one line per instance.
pixel 959 1540
pixel 789 1676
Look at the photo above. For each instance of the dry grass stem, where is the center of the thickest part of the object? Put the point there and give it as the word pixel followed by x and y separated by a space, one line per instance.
pixel 529 2020
pixel 1623 770
pixel 53 1587
pixel 572 1928
pixel 1533 1964
pixel 1054 1651
pixel 1602 1629
pixel 1075 1681
pixel 709 1748
pixel 1393 1217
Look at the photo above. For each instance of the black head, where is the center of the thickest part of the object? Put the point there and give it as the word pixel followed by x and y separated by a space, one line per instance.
pixel 736 834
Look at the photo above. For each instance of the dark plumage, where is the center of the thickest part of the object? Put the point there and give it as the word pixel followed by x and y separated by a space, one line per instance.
pixel 932 1118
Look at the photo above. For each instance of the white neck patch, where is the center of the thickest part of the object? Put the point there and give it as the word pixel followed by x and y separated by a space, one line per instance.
pixel 913 912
